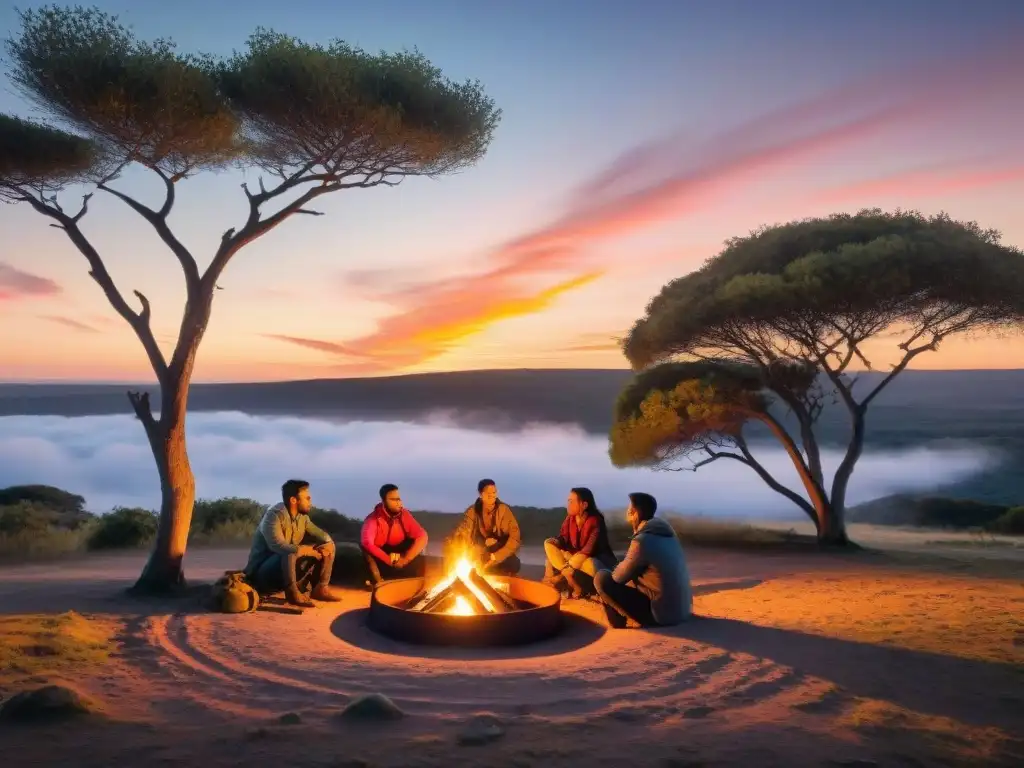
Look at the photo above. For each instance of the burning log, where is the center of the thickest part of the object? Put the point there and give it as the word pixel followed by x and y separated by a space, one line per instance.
pixel 502 603
pixel 413 602
pixel 461 588
pixel 427 606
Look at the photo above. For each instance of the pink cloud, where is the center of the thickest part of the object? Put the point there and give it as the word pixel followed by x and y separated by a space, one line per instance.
pixel 659 181
pixel 16 284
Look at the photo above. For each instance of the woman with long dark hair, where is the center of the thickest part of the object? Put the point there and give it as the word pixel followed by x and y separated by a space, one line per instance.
pixel 582 546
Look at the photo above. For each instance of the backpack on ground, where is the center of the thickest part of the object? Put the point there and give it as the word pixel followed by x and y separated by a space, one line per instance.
pixel 231 593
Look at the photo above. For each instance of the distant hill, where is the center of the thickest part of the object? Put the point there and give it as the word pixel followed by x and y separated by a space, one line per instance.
pixel 918 407
pixel 513 397
pixel 938 512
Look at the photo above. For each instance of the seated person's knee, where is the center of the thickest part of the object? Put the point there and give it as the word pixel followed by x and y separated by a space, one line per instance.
pixel 601 579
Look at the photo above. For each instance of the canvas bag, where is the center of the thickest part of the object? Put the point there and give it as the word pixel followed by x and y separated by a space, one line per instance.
pixel 231 593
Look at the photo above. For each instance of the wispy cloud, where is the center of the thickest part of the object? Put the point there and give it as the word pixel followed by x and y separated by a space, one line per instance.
pixel 927 182
pixel 70 322
pixel 595 342
pixel 16 284
pixel 664 180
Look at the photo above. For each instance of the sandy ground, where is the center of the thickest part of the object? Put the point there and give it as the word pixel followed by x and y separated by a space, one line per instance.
pixel 795 660
pixel 980 545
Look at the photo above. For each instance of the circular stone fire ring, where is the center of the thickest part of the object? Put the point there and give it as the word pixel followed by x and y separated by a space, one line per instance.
pixel 539 621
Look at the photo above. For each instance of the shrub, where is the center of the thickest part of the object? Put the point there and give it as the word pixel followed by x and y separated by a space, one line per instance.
pixel 25 517
pixel 30 530
pixel 1011 522
pixel 49 542
pixel 926 512
pixel 61 502
pixel 340 527
pixel 226 520
pixel 124 527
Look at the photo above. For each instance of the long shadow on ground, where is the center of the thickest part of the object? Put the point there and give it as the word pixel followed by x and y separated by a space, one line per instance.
pixel 577 632
pixel 976 692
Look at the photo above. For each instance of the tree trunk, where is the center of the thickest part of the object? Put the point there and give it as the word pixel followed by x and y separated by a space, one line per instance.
pixel 812 487
pixel 833 532
pixel 164 572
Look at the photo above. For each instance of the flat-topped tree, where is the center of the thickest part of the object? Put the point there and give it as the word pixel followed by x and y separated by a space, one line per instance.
pixel 775 321
pixel 314 119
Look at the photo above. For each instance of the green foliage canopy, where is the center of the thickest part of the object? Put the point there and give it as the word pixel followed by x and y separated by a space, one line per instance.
pixel 331 114
pixel 815 290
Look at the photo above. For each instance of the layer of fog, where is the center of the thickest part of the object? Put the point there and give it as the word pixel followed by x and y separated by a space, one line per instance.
pixel 106 459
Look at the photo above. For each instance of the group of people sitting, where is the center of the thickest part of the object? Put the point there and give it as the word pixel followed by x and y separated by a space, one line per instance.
pixel 650 586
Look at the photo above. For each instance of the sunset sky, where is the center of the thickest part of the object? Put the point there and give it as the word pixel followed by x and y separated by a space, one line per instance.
pixel 637 136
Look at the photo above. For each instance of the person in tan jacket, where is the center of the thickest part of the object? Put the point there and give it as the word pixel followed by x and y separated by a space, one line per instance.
pixel 489 533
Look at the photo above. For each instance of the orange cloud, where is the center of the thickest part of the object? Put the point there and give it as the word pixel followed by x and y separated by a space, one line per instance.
pixel 659 181
pixel 16 284
pixel 434 327
pixel 921 183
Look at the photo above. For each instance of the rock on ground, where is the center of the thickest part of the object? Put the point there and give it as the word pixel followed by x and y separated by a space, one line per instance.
pixel 372 706
pixel 50 702
pixel 481 729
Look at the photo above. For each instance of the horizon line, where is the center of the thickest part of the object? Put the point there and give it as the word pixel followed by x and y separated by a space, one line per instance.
pixel 423 374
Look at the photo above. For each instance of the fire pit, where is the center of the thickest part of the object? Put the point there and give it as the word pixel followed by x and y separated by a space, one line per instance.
pixel 466 608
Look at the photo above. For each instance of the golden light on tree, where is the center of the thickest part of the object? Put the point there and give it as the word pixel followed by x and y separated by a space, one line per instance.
pixel 768 330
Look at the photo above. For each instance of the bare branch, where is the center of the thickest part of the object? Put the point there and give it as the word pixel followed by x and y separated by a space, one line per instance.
pixel 309 212
pixel 774 484
pixel 158 220
pixel 143 411
pixel 146 312
pixel 714 455
pixel 139 322
pixel 898 368
pixel 83 210
pixel 255 227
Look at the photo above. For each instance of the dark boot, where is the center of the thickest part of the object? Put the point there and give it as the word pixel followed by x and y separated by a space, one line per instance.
pixel 295 597
pixel 292 590
pixel 324 594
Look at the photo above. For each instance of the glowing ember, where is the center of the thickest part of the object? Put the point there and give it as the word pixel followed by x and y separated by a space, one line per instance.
pixel 461 607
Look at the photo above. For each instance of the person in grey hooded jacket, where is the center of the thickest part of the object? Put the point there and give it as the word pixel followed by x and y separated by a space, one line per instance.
pixel 656 564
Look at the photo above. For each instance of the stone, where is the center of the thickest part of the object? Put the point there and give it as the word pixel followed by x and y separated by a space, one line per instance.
pixel 50 702
pixel 372 706
pixel 481 729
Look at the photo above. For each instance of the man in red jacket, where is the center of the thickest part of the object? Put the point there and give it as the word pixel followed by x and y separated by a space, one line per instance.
pixel 392 540
pixel 582 547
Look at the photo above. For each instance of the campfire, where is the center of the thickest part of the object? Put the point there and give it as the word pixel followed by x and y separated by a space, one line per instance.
pixel 464 592
pixel 465 607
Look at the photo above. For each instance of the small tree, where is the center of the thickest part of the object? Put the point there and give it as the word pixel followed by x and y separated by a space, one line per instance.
pixel 315 119
pixel 777 318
